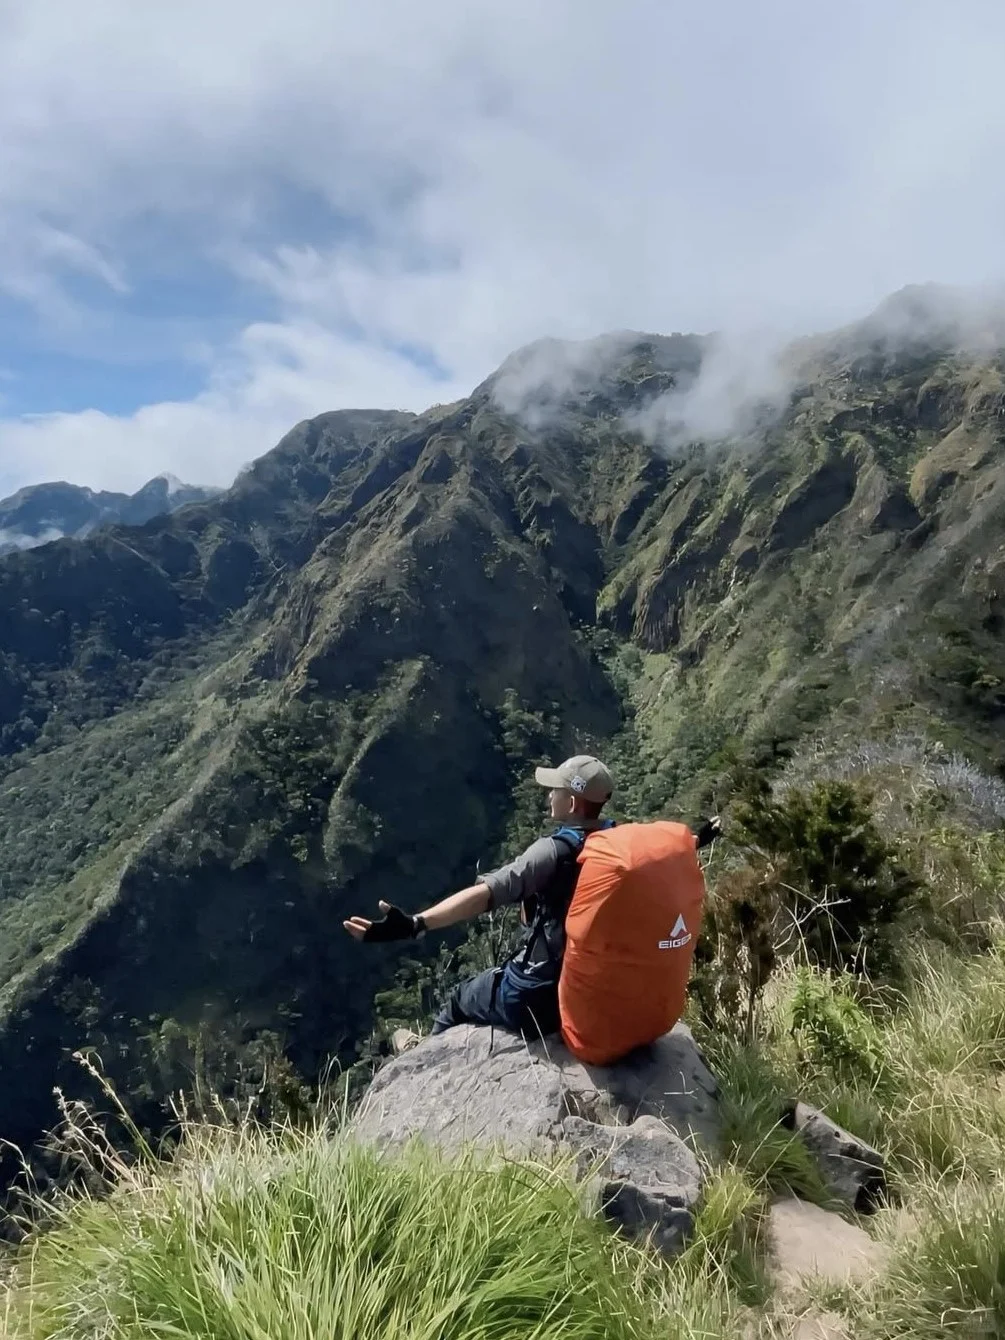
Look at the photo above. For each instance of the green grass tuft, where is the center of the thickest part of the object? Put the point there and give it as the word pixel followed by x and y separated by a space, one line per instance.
pixel 302 1234
pixel 947 1279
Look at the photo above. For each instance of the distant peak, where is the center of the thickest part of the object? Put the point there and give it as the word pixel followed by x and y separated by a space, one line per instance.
pixel 933 313
pixel 170 483
pixel 171 486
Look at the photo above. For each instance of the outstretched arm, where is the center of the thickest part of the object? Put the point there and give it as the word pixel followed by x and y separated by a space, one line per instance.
pixel 471 902
pixel 527 875
pixel 457 907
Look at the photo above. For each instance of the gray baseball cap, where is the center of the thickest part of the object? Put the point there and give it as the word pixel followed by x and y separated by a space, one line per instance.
pixel 583 775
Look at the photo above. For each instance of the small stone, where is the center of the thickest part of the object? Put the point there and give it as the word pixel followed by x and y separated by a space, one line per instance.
pixel 403 1040
pixel 853 1170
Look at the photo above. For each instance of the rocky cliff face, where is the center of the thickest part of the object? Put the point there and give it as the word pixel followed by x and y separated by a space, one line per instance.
pixel 225 729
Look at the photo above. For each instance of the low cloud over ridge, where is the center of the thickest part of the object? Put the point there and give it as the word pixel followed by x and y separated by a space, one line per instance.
pixel 402 195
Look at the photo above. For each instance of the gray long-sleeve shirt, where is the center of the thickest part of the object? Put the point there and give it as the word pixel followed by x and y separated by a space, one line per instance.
pixel 535 872
pixel 527 875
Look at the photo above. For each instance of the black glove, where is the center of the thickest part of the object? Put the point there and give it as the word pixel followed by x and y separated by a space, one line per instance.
pixel 394 925
pixel 709 830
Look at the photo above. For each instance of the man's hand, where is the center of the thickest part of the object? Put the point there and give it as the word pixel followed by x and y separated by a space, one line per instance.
pixel 394 925
pixel 708 831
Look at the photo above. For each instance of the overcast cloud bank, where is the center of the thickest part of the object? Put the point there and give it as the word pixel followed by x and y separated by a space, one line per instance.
pixel 401 195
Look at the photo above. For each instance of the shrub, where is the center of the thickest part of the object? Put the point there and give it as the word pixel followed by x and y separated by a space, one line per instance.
pixel 736 953
pixel 840 881
pixel 832 1029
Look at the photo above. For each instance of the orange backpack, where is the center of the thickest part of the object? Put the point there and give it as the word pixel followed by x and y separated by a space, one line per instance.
pixel 630 934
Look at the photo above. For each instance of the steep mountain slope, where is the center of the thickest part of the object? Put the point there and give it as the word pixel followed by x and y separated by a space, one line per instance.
pixel 225 729
pixel 44 512
pixel 852 555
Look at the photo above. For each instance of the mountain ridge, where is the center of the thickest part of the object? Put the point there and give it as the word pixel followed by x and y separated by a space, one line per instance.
pixel 329 684
pixel 40 513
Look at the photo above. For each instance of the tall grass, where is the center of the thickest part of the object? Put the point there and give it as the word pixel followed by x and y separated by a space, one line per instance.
pixel 927 1088
pixel 946 1279
pixel 303 1234
pixel 918 1074
pixel 300 1236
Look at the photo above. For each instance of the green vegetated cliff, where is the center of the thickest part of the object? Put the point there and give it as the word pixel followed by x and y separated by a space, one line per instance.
pixel 226 729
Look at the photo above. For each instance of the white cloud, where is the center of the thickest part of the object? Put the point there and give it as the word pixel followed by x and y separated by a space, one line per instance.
pixel 742 380
pixel 19 540
pixel 534 383
pixel 492 175
pixel 274 376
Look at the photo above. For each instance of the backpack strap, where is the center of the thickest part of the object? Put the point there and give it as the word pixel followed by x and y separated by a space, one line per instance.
pixel 573 840
pixel 570 838
pixel 570 843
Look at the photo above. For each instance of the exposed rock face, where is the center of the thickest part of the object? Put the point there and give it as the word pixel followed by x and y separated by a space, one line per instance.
pixel 636 1130
pixel 648 1179
pixel 633 1127
pixel 853 1170
pixel 475 1084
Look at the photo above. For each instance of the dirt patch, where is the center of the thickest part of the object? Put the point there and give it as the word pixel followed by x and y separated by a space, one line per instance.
pixel 809 1242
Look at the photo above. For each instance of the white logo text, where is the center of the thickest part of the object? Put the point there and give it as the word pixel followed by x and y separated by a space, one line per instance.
pixel 679 936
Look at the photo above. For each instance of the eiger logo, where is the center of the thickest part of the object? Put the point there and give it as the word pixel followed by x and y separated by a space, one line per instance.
pixel 679 936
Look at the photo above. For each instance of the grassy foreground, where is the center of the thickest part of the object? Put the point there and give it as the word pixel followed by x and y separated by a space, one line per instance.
pixel 301 1235
pixel 923 1079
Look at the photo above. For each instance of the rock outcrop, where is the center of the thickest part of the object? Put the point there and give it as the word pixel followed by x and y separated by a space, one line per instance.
pixel 483 1086
pixel 637 1133
pixel 647 1180
pixel 809 1243
pixel 635 1130
pixel 854 1171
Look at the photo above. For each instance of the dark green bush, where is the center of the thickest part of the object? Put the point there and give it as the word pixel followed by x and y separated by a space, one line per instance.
pixel 841 884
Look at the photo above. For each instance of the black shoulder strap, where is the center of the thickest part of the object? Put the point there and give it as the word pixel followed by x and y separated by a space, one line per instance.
pixel 572 840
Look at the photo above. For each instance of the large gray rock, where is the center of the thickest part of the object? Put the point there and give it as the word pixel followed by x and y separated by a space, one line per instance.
pixel 472 1084
pixel 668 1079
pixel 853 1170
pixel 633 1126
pixel 648 1180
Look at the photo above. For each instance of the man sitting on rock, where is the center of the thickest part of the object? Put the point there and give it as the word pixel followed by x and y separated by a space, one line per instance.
pixel 522 996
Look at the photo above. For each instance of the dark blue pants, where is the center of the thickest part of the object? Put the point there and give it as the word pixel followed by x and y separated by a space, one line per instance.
pixel 519 1004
